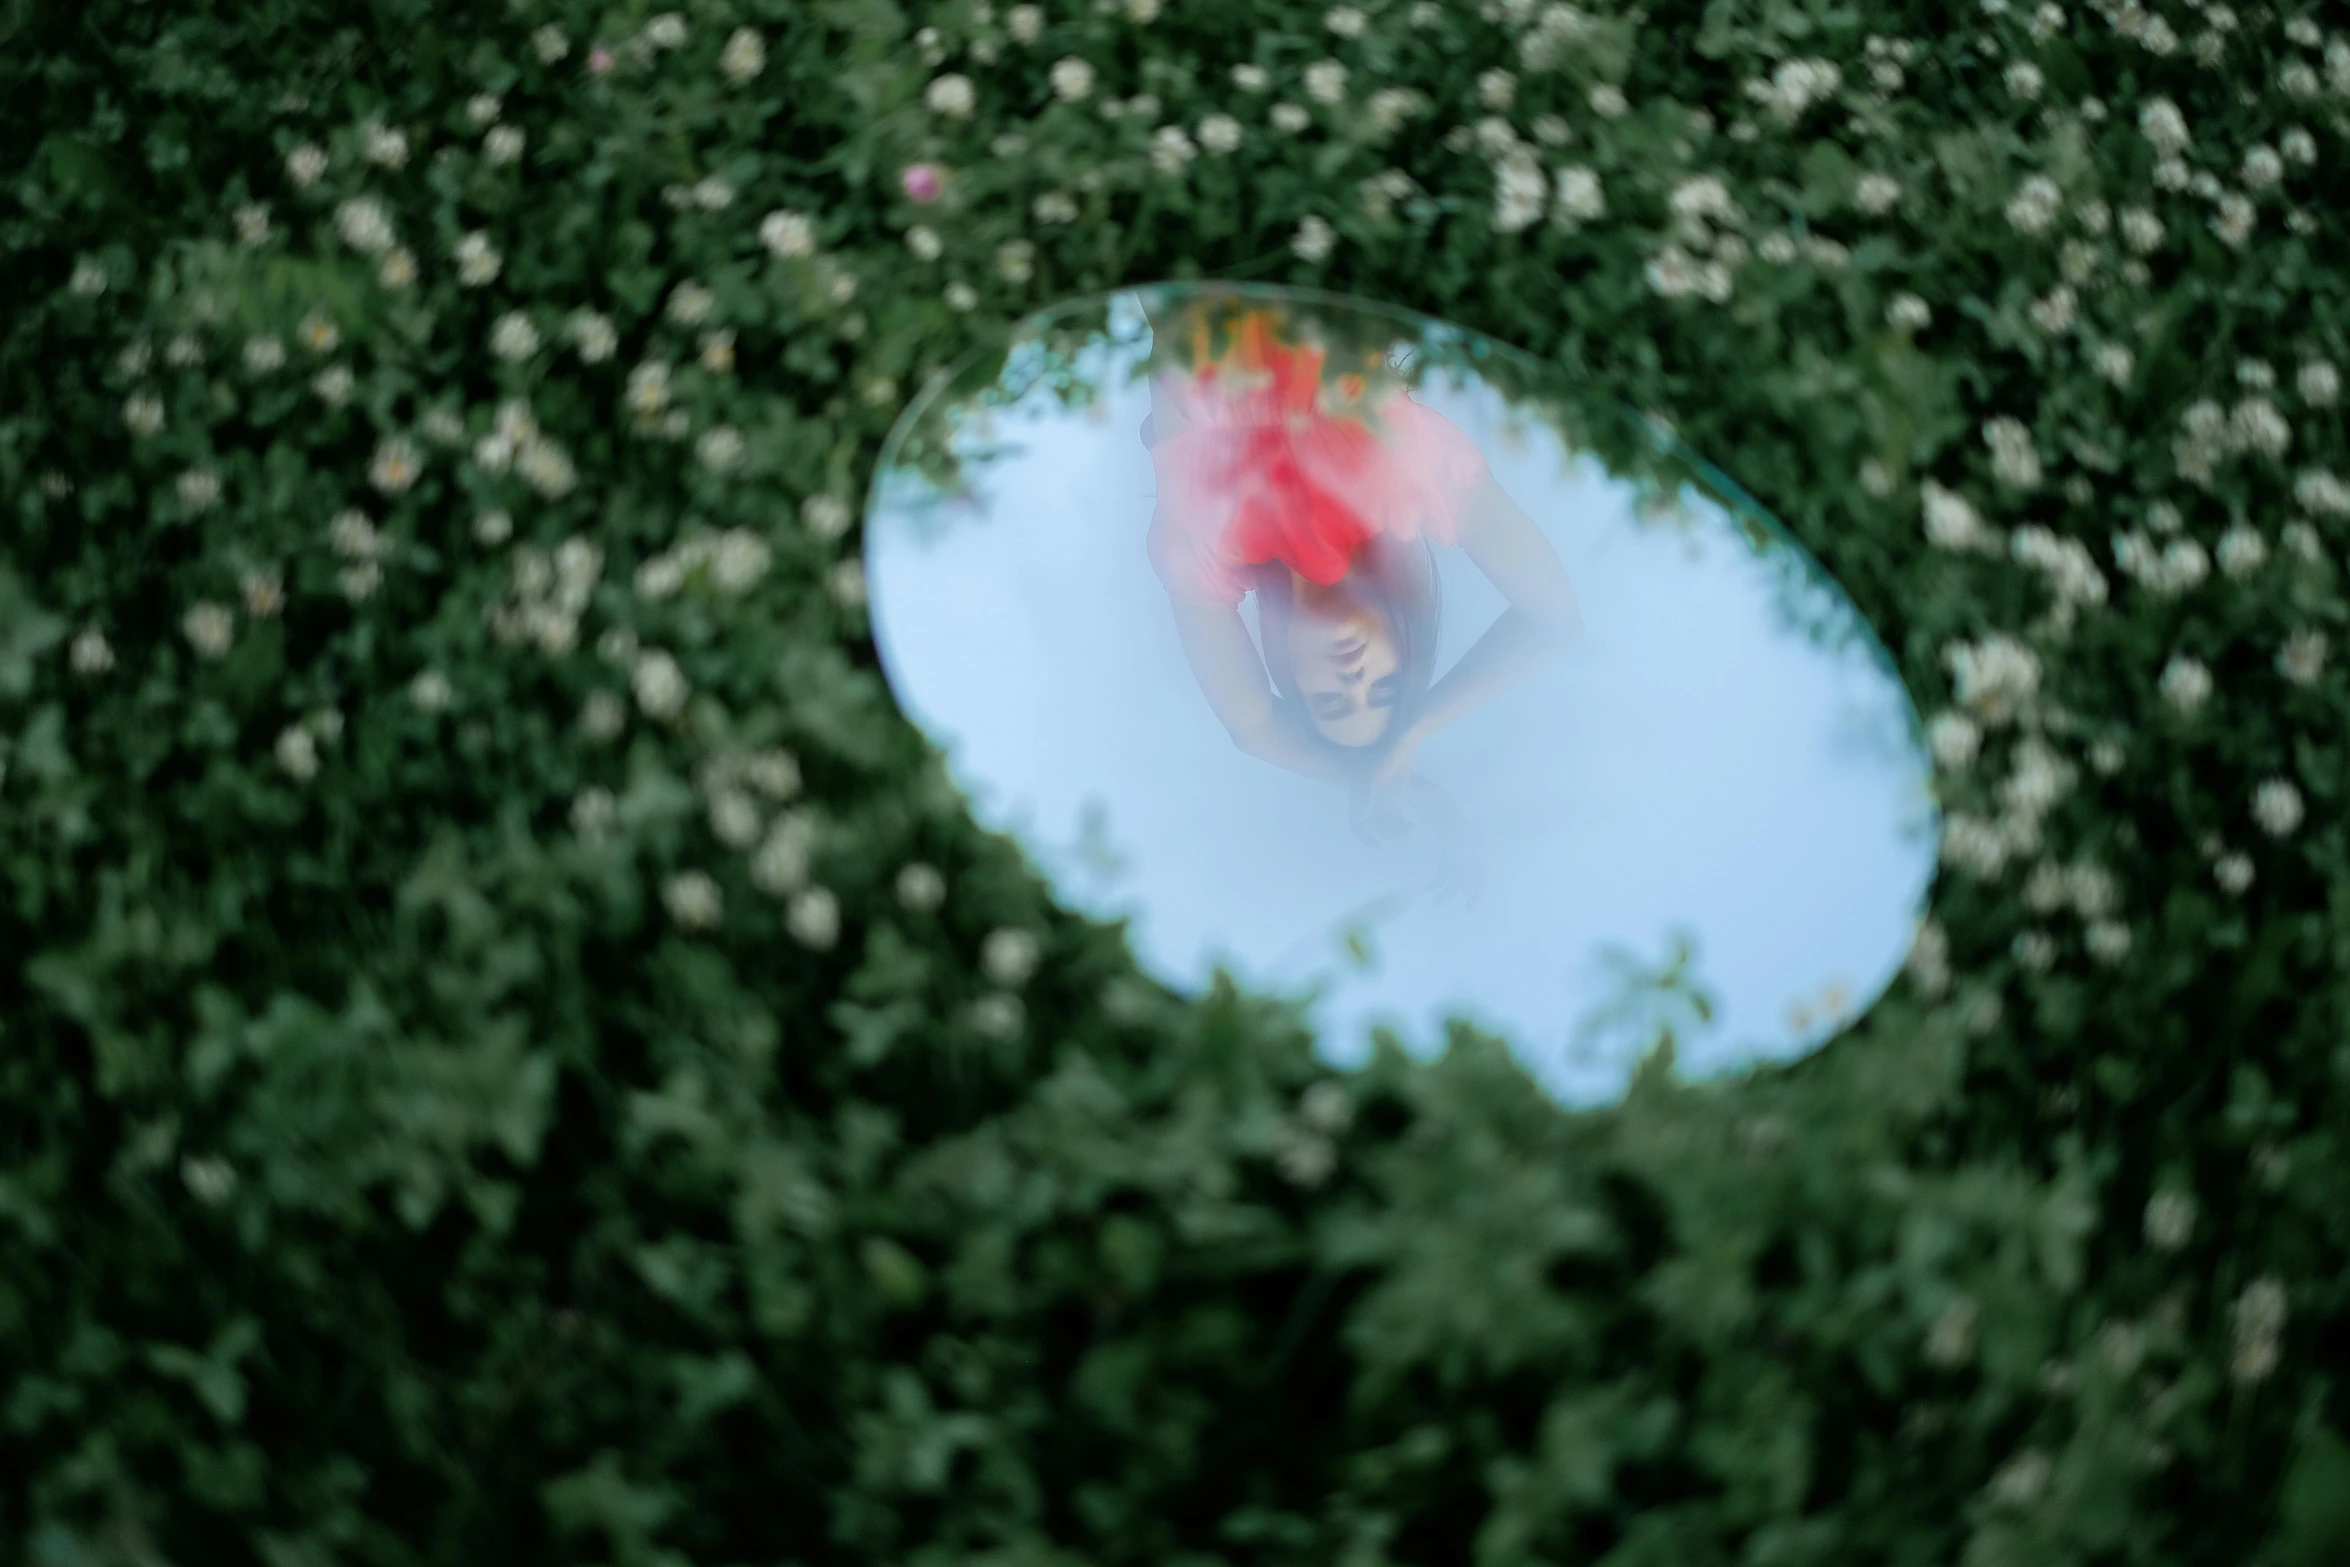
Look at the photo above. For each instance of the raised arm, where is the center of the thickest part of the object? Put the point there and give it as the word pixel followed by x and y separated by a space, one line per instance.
pixel 1232 677
pixel 1542 617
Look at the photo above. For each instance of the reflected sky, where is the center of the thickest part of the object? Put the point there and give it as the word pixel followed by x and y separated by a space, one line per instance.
pixel 1686 767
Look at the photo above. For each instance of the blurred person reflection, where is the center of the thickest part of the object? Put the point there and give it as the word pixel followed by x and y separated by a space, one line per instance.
pixel 1326 497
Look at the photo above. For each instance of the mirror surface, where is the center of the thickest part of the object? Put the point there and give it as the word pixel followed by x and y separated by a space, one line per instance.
pixel 1347 651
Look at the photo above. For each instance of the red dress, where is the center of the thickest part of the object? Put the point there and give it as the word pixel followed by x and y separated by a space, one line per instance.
pixel 1253 470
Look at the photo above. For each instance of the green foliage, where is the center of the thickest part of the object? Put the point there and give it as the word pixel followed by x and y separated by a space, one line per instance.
pixel 510 1049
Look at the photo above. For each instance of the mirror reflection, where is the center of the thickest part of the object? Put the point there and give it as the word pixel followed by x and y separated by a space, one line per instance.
pixel 1355 654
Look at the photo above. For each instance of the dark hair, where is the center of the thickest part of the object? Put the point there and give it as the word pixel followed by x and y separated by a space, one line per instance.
pixel 1398 579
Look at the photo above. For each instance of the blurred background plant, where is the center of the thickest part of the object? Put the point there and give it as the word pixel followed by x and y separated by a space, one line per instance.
pixel 510 1048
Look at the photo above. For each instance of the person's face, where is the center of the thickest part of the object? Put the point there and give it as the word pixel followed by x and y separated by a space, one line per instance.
pixel 1347 665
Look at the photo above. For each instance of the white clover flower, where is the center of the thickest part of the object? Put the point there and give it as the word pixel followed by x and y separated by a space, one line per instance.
pixel 2024 80
pixel 2014 462
pixel 2234 874
pixel 1954 740
pixel 305 165
pixel 2277 807
pixel 665 31
pixel 1072 79
pixel 846 582
pixel 734 818
pixel 198 489
pixel 920 887
pixel 720 449
pixel 2234 220
pixel 1973 845
pixel 364 225
pixel 813 918
pixel 1314 238
pixel 2318 383
pixel 1908 313
pixel 593 812
pixel 383 146
pixel 513 338
pixel 360 581
pixel 1025 23
pixel 1345 21
pixel 2142 231
pixel 398 270
pixel 431 691
pixel 252 224
pixel 690 303
pixel 693 900
pixel 648 388
pixel 1520 189
pixel 483 108
pixel 2259 426
pixel 2303 657
pixel 183 351
pixel 2242 551
pixel 1054 207
pixel 1220 134
pixel 395 466
pixel 1608 101
pixel 826 516
pixel 1142 12
pixel 2067 564
pixel 2108 940
pixel 2298 146
pixel 780 865
pixel 2321 492
pixel 951 96
pixel 90 654
pixel 2114 362
pixel 1171 148
pixel 142 414
pixel 550 44
pixel 659 684
pixel 503 145
pixel 2186 683
pixel 297 754
pixel 717 351
pixel 351 535
pixel 744 56
pixel 2054 312
pixel 1876 194
pixel 318 333
pixel 545 467
pixel 2259 1324
pixel 2036 203
pixel 262 592
pixel 2170 1219
pixel 2163 125
pixel 1289 118
pixel 1326 81
pixel 1577 191
pixel 1995 677
pixel 999 1016
pixel 1496 89
pixel 1015 261
pixel 593 336
pixel 738 559
pixel 478 261
pixel 788 234
pixel 1009 956
pixel 602 717
pixel 2263 167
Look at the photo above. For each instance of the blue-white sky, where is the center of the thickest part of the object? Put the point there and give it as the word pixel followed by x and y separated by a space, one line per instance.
pixel 1687 765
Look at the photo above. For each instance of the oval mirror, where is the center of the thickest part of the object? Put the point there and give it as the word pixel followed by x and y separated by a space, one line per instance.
pixel 1355 654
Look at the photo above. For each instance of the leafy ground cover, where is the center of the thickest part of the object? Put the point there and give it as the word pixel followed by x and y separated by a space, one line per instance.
pixel 511 1050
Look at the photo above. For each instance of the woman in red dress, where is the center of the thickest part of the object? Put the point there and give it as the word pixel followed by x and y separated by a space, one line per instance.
pixel 1326 497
